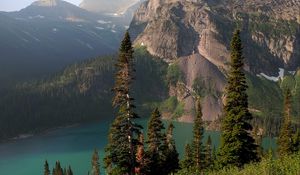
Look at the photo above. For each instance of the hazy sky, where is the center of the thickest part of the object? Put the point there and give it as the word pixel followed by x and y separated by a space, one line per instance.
pixel 14 5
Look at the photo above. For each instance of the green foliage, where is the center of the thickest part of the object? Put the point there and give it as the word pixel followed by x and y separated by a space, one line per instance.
pixel 237 146
pixel 179 110
pixel 205 87
pixel 46 168
pixel 271 26
pixel 95 163
pixel 173 106
pixel 198 133
pixel 169 105
pixel 208 155
pixel 271 103
pixel 124 132
pixel 155 135
pixel 287 165
pixel 174 74
pixel 57 170
pixel 69 171
pixel 170 163
pixel 285 142
pixel 187 162
pixel 288 82
pixel 296 141
pixel 155 141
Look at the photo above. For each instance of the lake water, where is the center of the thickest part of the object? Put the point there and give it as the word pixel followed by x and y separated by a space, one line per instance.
pixel 74 146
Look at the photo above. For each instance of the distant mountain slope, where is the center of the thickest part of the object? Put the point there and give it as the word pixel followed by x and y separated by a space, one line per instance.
pixel 80 93
pixel 46 36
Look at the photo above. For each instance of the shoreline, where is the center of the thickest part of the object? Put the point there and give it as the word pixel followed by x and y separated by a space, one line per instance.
pixel 24 136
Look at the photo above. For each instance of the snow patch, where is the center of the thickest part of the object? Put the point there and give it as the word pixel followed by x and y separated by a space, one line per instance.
pixel 37 16
pixel 100 28
pixel 89 46
pixel 103 22
pixel 35 38
pixel 126 27
pixel 113 31
pixel 272 78
pixel 54 30
pixel 22 136
pixel 292 72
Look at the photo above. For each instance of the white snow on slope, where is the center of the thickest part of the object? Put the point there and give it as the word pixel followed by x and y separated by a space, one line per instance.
pixel 272 78
pixel 103 22
pixel 100 28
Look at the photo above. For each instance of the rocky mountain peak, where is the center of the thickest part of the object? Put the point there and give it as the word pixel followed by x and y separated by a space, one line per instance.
pixel 46 3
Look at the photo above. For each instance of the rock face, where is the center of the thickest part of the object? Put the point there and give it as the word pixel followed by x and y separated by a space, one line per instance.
pixel 196 35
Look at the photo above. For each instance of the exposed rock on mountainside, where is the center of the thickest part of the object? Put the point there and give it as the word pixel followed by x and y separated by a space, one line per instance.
pixel 177 31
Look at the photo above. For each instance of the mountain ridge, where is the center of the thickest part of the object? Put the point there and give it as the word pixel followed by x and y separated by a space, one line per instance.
pixel 174 30
pixel 49 38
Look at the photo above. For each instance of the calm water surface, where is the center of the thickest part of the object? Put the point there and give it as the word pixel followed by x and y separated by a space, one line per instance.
pixel 74 146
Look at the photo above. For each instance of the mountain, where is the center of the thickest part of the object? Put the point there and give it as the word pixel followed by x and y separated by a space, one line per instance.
pixel 82 93
pixel 116 7
pixel 49 34
pixel 195 35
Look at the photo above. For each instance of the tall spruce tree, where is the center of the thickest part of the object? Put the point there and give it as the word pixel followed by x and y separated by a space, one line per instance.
pixel 95 163
pixel 69 171
pixel 141 166
pixel 123 135
pixel 170 155
pixel 237 146
pixel 58 169
pixel 187 161
pixel 208 153
pixel 46 168
pixel 198 131
pixel 155 140
pixel 285 141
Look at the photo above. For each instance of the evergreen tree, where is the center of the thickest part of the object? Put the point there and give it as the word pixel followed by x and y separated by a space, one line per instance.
pixel 69 171
pixel 197 146
pixel 46 168
pixel 155 140
pixel 123 135
pixel 285 142
pixel 296 141
pixel 208 153
pixel 187 161
pixel 214 157
pixel 58 169
pixel 237 146
pixel 65 171
pixel 95 163
pixel 142 161
pixel 170 155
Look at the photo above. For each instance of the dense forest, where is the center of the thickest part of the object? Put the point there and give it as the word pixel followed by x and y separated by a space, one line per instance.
pixel 129 152
pixel 81 93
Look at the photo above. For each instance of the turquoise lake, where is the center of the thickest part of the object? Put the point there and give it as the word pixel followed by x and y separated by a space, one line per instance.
pixel 74 146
